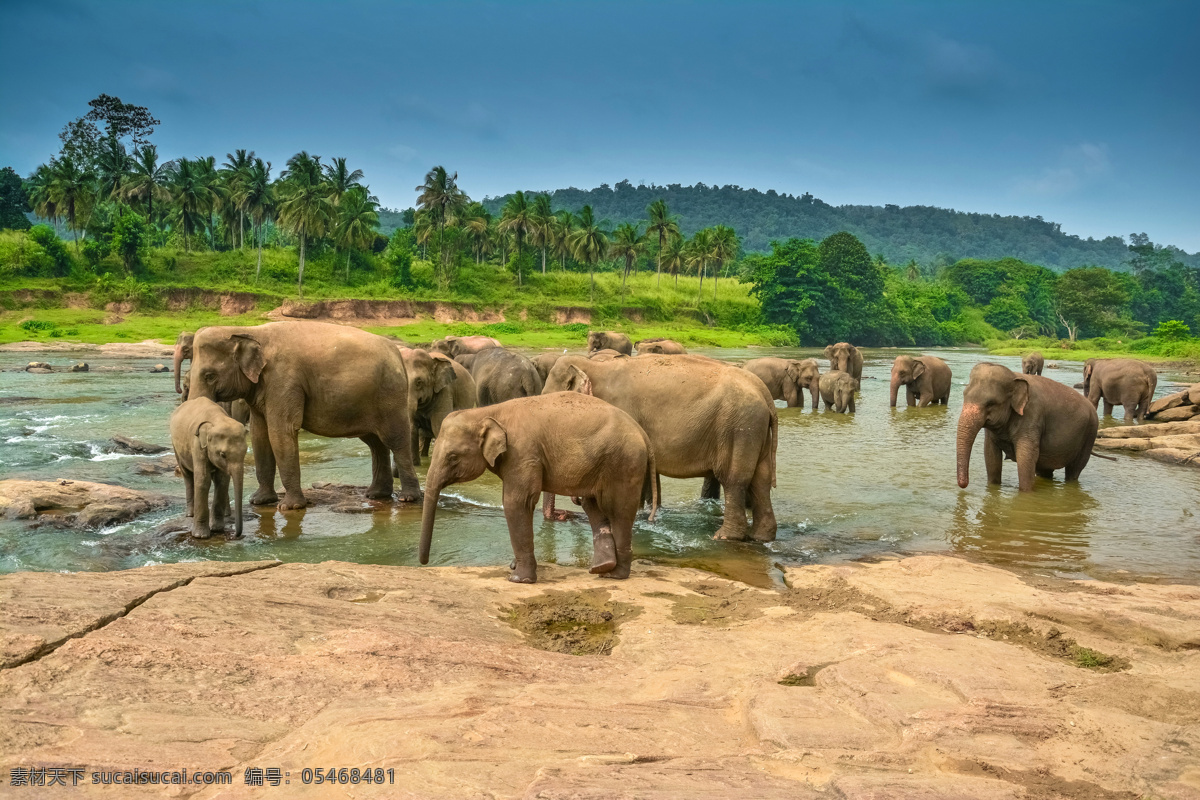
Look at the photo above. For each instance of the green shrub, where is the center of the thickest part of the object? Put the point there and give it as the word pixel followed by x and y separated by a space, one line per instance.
pixel 1172 330
pixel 37 325
pixel 54 248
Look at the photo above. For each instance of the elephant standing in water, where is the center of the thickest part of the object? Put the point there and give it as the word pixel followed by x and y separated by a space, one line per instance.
pixel 662 347
pixel 210 448
pixel 704 419
pixel 1033 363
pixel 609 340
pixel 461 345
pixel 560 443
pixel 331 380
pixel 1037 422
pixel 847 358
pixel 437 385
pixel 787 378
pixel 502 375
pixel 926 380
pixel 544 362
pixel 837 391
pixel 1120 382
pixel 183 352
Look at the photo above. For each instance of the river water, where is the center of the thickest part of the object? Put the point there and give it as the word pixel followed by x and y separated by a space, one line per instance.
pixel 849 486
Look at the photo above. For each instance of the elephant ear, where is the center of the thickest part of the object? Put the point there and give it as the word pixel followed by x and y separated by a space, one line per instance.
pixel 494 441
pixel 443 372
pixel 200 431
pixel 579 381
pixel 918 369
pixel 1020 394
pixel 829 351
pixel 249 356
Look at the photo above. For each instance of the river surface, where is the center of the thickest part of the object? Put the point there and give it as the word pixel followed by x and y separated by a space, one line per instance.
pixel 849 486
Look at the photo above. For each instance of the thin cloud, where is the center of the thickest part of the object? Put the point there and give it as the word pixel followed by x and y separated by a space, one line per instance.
pixel 1079 165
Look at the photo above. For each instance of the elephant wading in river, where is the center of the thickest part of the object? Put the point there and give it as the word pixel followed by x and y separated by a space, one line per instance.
pixel 1037 422
pixel 437 385
pixel 926 380
pixel 331 380
pixel 1120 382
pixel 704 418
pixel 210 448
pixel 561 443
pixel 502 375
pixel 1033 364
pixel 837 391
pixel 662 347
pixel 609 340
pixel 461 345
pixel 847 358
pixel 787 378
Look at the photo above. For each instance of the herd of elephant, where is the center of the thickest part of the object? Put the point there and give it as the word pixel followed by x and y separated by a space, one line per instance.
pixel 600 428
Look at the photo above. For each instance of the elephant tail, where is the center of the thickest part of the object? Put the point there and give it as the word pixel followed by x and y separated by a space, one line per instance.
pixel 771 446
pixel 1106 458
pixel 650 482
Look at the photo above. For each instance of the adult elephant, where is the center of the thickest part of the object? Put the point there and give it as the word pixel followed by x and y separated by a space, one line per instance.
pixel 606 355
pixel 458 345
pixel 787 378
pixel 503 375
pixel 1037 422
pixel 183 352
pixel 544 362
pixel 662 347
pixel 1033 364
pixel 704 418
pixel 331 380
pixel 847 358
pixel 437 385
pixel 1120 382
pixel 926 380
pixel 609 340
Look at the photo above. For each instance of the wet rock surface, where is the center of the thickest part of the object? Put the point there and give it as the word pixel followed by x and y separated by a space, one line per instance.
pixel 74 504
pixel 903 678
pixel 124 444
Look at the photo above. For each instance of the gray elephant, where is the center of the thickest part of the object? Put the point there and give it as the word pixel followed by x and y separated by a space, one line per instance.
pixel 502 375
pixel 210 449
pixel 238 409
pixel 837 391
pixel 559 443
pixel 331 380
pixel 787 378
pixel 1120 382
pixel 605 355
pixel 609 340
pixel 1033 363
pixel 926 380
pixel 846 358
pixel 544 362
pixel 724 425
pixel 1037 422
pixel 458 345
pixel 435 388
pixel 662 347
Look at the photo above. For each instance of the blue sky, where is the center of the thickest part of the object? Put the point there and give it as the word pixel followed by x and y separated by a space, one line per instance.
pixel 1087 114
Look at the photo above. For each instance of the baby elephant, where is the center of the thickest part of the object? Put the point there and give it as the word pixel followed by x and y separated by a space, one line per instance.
pixel 210 447
pixel 837 390
pixel 1033 363
pixel 566 443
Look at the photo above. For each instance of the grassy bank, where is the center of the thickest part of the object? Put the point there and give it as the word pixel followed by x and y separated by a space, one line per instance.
pixel 1148 348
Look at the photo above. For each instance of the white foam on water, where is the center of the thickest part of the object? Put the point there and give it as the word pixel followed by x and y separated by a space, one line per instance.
pixel 89 543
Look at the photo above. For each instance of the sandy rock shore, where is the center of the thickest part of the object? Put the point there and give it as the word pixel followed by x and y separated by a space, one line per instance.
pixel 926 677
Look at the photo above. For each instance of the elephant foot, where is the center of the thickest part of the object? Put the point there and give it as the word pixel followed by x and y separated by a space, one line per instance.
pixel 264 497
pixel 558 515
pixel 201 532
pixel 524 573
pixel 292 501
pixel 763 534
pixel 379 494
pixel 409 495
pixel 604 552
pixel 619 573
pixel 731 533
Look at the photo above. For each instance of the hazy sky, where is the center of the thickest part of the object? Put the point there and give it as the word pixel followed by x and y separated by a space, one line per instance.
pixel 1087 114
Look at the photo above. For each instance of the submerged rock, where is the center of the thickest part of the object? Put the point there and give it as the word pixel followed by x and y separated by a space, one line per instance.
pixel 135 447
pixel 74 504
pixel 160 368
pixel 82 366
pixel 160 466
pixel 39 367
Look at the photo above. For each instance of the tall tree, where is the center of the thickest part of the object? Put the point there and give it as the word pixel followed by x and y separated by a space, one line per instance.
pixel 590 243
pixel 477 223
pixel 440 197
pixel 256 196
pixel 235 172
pixel 112 165
pixel 674 256
pixel 627 244
pixel 542 232
pixel 122 119
pixel 147 180
pixel 517 218
pixel 341 179
pixel 724 249
pixel 13 202
pixel 304 205
pixel 190 197
pixel 40 197
pixel 72 188
pixel 699 252
pixel 210 179
pixel 357 220
pixel 662 226
pixel 562 231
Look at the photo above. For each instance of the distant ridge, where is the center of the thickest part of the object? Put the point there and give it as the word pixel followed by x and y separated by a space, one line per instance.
pixel 924 233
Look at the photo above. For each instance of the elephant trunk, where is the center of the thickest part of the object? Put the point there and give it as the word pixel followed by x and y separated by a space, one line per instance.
pixel 895 389
pixel 178 365
pixel 814 390
pixel 239 472
pixel 969 423
pixel 433 492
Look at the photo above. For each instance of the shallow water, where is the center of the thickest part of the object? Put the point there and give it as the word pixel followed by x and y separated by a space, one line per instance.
pixel 879 481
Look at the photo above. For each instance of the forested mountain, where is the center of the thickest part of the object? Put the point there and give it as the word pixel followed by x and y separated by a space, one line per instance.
pixel 931 236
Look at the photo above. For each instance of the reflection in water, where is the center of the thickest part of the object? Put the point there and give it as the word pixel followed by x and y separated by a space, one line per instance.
pixel 849 486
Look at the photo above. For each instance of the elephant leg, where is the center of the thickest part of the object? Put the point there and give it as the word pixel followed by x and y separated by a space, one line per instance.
pixel 711 490
pixel 622 534
pixel 398 439
pixel 426 439
pixel 220 501
pixel 189 488
pixel 910 395
pixel 993 458
pixel 764 527
pixel 1027 455
pixel 287 459
pixel 604 546
pixel 381 469
pixel 1130 407
pixel 518 512
pixel 200 478
pixel 264 460
pixel 1044 473
pixel 549 512
pixel 416 452
pixel 734 528
pixel 851 404
pixel 1108 408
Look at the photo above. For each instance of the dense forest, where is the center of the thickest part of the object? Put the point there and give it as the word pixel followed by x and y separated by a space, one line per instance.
pixel 931 236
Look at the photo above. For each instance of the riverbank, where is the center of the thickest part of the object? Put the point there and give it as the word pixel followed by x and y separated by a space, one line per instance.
pixel 927 676
pixel 1177 355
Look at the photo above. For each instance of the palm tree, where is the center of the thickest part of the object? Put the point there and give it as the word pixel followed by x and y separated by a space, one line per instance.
pixel 724 248
pixel 210 179
pixel 628 243
pixel 190 196
pixel 341 179
pixel 112 164
pixel 256 196
pixel 562 231
pixel 72 188
pixel 589 244
pixel 303 167
pixel 699 251
pixel 477 223
pixel 441 197
pixel 147 180
pixel 357 221
pixel 662 225
pixel 500 240
pixel 674 257
pixel 304 205
pixel 542 233
pixel 423 227
pixel 40 197
pixel 912 270
pixel 236 170
pixel 517 218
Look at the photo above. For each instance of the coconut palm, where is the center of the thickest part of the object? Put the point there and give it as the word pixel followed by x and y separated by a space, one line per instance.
pixel 190 197
pixel 255 196
pixel 40 198
pixel 542 232
pixel 357 219
pixel 302 167
pixel 663 226
pixel 424 226
pixel 147 180
pixel 72 188
pixel 589 243
pixel 628 243
pixel 112 164
pixel 235 171
pixel 517 218
pixel 699 252
pixel 477 224
pixel 341 179
pixel 304 205
pixel 443 200
pixel 724 249
pixel 210 179
pixel 562 232
pixel 674 256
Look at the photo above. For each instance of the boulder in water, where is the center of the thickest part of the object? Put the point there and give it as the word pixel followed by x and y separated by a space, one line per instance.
pixel 82 366
pixel 39 367
pixel 74 504
pixel 160 368
pixel 135 447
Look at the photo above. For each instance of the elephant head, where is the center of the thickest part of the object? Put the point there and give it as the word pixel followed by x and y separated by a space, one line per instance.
pixel 183 350
pixel 905 370
pixel 993 394
pixel 447 346
pixel 841 356
pixel 223 443
pixel 227 364
pixel 429 374
pixel 468 444
pixel 596 340
pixel 802 374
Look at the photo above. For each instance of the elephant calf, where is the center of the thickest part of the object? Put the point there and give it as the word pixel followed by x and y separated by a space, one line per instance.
pixel 564 443
pixel 837 391
pixel 609 340
pixel 210 447
pixel 1033 364
pixel 660 346
pixel 786 379
pixel 926 380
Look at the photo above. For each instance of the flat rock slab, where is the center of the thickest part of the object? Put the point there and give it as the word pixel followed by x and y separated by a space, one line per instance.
pixel 74 504
pixel 927 677
pixel 124 444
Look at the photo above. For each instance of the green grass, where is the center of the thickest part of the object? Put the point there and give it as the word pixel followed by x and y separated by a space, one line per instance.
pixel 1147 348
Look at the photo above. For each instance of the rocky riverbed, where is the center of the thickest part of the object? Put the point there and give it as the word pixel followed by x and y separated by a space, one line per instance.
pixel 928 676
